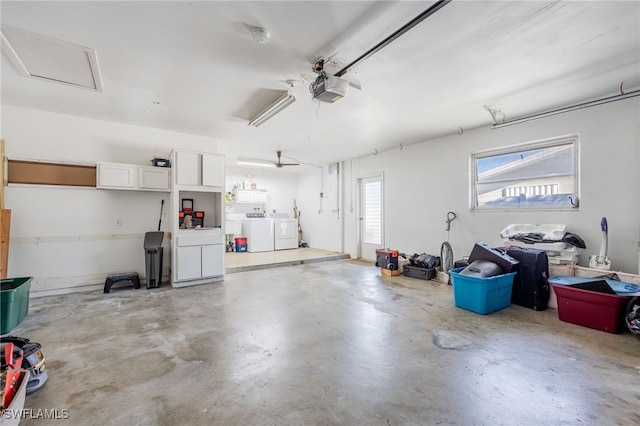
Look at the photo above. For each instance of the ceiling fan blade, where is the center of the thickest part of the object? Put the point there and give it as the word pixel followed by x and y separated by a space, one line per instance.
pixel 309 77
pixel 354 84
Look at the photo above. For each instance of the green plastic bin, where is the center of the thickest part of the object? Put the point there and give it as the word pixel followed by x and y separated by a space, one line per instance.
pixel 14 302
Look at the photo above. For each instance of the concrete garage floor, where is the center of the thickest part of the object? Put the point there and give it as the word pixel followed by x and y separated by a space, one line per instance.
pixel 322 343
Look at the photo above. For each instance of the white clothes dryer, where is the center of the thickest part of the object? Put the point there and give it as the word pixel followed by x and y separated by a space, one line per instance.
pixel 285 231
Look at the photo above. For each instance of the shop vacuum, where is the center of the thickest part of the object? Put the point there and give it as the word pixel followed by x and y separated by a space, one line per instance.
pixel 153 254
pixel 29 355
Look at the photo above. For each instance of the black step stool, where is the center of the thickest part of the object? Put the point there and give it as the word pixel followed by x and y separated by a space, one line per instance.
pixel 124 276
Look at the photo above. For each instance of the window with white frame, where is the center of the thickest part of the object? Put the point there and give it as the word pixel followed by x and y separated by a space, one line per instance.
pixel 537 175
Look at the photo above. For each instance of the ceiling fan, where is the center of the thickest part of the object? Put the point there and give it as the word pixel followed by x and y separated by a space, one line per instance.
pixel 265 163
pixel 280 164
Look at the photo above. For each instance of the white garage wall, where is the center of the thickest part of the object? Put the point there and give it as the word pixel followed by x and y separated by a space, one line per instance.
pixel 281 187
pixel 66 238
pixel 424 181
pixel 320 217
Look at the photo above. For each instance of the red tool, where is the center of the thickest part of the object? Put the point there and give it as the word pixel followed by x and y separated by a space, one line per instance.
pixel 13 360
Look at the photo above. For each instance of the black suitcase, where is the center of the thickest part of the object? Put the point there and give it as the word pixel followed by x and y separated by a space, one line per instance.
pixel 483 251
pixel 530 285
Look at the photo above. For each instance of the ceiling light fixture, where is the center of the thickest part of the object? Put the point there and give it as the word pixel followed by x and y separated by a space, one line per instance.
pixel 281 103
pixel 250 162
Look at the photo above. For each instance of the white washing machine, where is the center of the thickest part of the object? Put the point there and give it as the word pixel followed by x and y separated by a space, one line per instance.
pixel 285 231
pixel 259 232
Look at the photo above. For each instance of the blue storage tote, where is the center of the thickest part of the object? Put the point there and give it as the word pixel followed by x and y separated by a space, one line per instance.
pixel 481 295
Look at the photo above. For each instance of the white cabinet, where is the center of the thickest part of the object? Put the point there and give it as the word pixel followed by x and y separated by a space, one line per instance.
pixel 131 177
pixel 251 196
pixel 189 263
pixel 187 166
pixel 243 196
pixel 199 257
pixel 199 169
pixel 212 260
pixel 153 178
pixel 115 176
pixel 259 196
pixel 212 170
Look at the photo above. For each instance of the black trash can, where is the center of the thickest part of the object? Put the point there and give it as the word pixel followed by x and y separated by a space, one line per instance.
pixel 153 258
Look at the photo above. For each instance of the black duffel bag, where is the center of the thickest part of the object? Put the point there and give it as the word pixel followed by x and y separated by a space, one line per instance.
pixel 424 260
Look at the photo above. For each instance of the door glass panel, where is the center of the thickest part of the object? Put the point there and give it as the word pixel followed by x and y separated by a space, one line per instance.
pixel 372 203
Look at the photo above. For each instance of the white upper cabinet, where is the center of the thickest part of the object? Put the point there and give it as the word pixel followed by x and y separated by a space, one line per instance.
pixel 115 176
pixel 153 178
pixel 187 165
pixel 212 170
pixel 199 169
pixel 131 177
pixel 255 196
pixel 259 196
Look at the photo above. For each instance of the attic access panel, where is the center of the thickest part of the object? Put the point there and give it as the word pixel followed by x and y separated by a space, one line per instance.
pixel 39 56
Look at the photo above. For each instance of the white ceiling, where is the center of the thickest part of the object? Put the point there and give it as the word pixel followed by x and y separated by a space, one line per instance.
pixel 192 66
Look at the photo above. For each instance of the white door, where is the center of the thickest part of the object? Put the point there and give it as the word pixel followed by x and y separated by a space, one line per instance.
pixel 212 260
pixel 188 263
pixel 371 217
pixel 213 170
pixel 150 177
pixel 286 234
pixel 113 175
pixel 187 167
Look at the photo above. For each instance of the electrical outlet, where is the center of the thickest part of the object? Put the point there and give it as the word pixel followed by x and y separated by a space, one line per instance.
pixel 119 222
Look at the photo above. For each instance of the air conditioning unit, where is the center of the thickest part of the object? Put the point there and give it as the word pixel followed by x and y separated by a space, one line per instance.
pixel 330 88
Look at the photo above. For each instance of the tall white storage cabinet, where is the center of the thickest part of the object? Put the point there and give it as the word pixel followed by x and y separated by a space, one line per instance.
pixel 197 254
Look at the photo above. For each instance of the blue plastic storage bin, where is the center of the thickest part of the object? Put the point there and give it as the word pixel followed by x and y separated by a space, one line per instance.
pixel 481 295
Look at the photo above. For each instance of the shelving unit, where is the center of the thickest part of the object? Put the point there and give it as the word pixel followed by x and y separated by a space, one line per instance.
pixel 197 255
